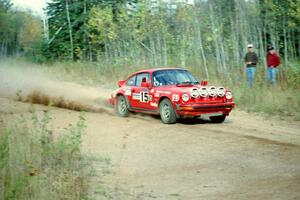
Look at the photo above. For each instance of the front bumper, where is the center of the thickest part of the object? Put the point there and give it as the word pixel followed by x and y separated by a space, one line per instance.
pixel 197 109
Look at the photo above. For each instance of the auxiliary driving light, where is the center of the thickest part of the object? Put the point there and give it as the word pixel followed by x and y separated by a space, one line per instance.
pixel 194 93
pixel 221 91
pixel 203 92
pixel 212 91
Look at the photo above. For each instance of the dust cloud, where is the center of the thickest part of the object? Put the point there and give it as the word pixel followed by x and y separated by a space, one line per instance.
pixel 27 84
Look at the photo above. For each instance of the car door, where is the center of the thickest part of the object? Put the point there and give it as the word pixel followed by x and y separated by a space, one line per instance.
pixel 141 96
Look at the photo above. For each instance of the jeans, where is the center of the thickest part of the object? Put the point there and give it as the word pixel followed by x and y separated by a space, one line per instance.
pixel 250 75
pixel 272 75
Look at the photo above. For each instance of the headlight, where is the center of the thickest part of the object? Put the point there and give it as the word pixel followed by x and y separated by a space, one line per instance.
pixel 194 93
pixel 212 91
pixel 228 95
pixel 203 92
pixel 221 92
pixel 185 97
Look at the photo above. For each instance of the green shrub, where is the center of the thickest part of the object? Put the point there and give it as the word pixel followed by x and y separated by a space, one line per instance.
pixel 36 165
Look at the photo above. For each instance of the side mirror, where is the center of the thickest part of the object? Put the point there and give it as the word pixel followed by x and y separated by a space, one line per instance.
pixel 120 83
pixel 204 83
pixel 145 84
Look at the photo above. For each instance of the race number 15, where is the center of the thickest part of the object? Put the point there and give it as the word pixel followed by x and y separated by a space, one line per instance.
pixel 144 96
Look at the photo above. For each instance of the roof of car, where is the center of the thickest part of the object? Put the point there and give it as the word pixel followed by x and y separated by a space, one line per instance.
pixel 158 69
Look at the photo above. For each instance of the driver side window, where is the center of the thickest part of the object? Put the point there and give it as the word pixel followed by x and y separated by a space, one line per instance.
pixel 141 77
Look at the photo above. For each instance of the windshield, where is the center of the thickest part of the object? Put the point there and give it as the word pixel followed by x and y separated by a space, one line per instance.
pixel 173 77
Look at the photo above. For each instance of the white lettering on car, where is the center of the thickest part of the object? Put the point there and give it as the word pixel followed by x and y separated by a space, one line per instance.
pixel 136 96
pixel 175 97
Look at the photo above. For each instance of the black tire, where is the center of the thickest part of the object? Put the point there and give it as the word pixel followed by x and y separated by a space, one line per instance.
pixel 217 119
pixel 121 106
pixel 167 112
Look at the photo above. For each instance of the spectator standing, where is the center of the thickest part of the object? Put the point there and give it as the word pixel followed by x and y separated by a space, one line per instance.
pixel 251 60
pixel 273 61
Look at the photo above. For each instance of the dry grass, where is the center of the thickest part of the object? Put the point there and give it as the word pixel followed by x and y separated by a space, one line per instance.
pixel 34 165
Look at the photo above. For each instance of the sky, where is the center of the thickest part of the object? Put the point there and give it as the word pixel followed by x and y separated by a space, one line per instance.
pixel 36 6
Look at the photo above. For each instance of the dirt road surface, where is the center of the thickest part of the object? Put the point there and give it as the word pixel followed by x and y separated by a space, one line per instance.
pixel 246 157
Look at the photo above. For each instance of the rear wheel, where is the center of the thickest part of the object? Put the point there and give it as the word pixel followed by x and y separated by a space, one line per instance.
pixel 217 119
pixel 167 112
pixel 121 107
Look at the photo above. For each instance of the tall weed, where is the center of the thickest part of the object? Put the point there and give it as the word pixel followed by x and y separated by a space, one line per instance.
pixel 35 165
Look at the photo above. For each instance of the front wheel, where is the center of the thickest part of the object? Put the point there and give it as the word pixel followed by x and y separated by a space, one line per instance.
pixel 121 107
pixel 167 112
pixel 217 119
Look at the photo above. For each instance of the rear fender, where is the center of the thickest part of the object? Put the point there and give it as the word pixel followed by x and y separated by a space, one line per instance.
pixel 127 100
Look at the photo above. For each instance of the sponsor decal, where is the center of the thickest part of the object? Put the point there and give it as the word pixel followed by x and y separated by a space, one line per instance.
pixel 152 90
pixel 136 96
pixel 127 91
pixel 163 92
pixel 153 104
pixel 156 94
pixel 175 97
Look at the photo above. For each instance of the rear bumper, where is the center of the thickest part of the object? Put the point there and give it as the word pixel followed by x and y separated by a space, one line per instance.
pixel 205 108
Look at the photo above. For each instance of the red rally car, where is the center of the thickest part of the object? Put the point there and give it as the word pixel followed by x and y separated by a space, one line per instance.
pixel 171 93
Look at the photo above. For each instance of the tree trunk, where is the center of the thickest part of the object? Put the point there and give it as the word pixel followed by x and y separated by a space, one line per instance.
pixel 165 51
pixel 199 42
pixel 85 45
pixel 215 39
pixel 285 47
pixel 70 31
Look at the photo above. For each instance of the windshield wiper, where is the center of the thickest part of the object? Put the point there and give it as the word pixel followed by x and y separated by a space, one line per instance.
pixel 185 83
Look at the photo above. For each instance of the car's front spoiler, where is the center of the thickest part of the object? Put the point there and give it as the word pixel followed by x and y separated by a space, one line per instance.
pixel 198 109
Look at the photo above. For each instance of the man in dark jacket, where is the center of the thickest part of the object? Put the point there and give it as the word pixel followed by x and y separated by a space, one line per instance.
pixel 273 61
pixel 251 60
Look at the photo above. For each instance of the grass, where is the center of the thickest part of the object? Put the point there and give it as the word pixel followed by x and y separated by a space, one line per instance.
pixel 272 101
pixel 36 165
pixel 282 100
